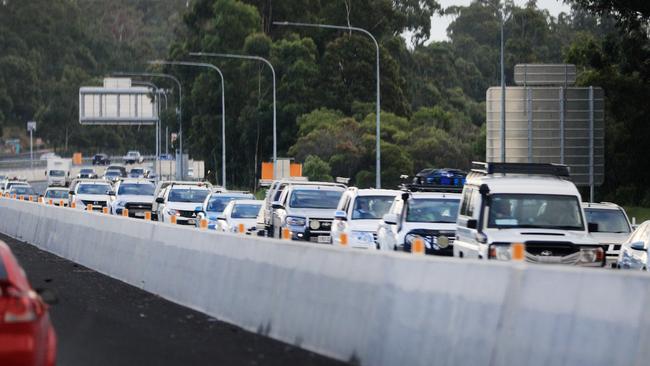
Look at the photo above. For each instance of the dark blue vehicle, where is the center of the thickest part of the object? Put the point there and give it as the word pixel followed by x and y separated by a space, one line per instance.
pixel 440 177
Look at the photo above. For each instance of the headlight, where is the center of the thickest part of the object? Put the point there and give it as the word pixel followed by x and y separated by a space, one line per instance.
pixel 591 255
pixel 120 203
pixel 171 212
pixel 500 252
pixel 364 237
pixel 295 221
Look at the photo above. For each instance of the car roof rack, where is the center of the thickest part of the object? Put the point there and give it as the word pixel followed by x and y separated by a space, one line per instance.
pixel 431 188
pixel 557 170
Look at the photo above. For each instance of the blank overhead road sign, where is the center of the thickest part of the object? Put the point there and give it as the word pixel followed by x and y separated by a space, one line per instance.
pixel 117 103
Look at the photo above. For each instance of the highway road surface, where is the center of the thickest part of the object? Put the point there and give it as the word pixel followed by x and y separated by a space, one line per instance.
pixel 102 321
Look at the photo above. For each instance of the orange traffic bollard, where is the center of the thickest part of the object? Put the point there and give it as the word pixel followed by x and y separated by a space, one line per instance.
pixel 125 212
pixel 518 250
pixel 31 199
pixel 22 198
pixel 417 246
pixel 105 210
pixel 343 239
pixel 241 228
pixel 40 200
pixel 147 215
pixel 203 224
pixel 172 219
pixel 50 202
pixel 14 196
pixel 286 234
pixel 89 207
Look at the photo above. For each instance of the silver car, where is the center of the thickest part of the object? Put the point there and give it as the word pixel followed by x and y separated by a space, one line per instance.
pixel 634 251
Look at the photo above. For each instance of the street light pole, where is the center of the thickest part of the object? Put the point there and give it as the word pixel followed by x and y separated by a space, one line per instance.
pixel 179 112
pixel 503 97
pixel 223 106
pixel 248 57
pixel 378 97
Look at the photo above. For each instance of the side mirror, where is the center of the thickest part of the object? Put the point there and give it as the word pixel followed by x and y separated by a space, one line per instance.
pixel 592 227
pixel 472 224
pixel 276 205
pixel 48 296
pixel 160 200
pixel 71 192
pixel 638 245
pixel 390 219
pixel 340 215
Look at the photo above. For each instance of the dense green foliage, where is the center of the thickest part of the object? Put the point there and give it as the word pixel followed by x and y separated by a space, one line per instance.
pixel 433 93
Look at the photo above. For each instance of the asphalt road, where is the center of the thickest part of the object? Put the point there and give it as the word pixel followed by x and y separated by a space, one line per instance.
pixel 102 321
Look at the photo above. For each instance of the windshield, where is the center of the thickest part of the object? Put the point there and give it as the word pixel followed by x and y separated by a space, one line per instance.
pixel 93 189
pixel 56 193
pixel 137 171
pixel 609 221
pixel 112 173
pixel 371 207
pixel 535 211
pixel 86 171
pixel 136 189
pixel 314 198
pixel 25 190
pixel 438 210
pixel 187 195
pixel 245 211
pixel 218 202
pixel 13 184
pixel 57 173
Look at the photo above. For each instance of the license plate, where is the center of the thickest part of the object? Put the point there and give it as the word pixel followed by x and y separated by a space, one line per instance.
pixel 139 214
pixel 191 221
pixel 324 239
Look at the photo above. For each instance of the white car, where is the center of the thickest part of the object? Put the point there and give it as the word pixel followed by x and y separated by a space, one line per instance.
pixel 161 187
pixel 92 192
pixel 135 195
pixel 613 228
pixel 430 216
pixel 634 251
pixel 359 214
pixel 239 212
pixel 531 204
pixel 133 157
pixel 307 211
pixel 215 204
pixel 57 194
pixel 183 201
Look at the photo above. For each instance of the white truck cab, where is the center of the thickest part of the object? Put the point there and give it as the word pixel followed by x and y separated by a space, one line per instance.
pixel 532 204
pixel 58 172
pixel 307 211
pixel 429 215
pixel 358 215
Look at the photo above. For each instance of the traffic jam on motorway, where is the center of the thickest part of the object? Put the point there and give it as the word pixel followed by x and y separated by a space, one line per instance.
pixel 497 211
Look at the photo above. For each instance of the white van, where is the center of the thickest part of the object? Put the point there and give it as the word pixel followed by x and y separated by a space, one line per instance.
pixel 533 204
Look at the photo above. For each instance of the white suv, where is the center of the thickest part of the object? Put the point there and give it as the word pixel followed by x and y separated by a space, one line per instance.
pixel 92 192
pixel 307 211
pixel 430 216
pixel 613 227
pixel 358 215
pixel 531 204
pixel 135 195
pixel 183 201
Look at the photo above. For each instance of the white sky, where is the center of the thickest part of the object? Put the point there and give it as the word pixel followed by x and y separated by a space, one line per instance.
pixel 439 24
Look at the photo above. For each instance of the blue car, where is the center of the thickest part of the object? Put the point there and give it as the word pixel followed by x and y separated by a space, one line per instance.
pixel 440 177
pixel 216 202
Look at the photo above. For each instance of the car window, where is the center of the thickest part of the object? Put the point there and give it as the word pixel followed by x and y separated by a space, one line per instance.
pixel 314 198
pixel 57 173
pixel 24 190
pixel 56 193
pixel 187 195
pixel 142 189
pixel 371 207
pixel 609 221
pixel 432 210
pixel 93 189
pixel 218 202
pixel 245 211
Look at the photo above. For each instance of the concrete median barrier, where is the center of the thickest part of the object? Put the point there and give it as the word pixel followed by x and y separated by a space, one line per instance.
pixel 370 308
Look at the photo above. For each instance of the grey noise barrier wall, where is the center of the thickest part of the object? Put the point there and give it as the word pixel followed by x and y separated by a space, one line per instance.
pixel 366 307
